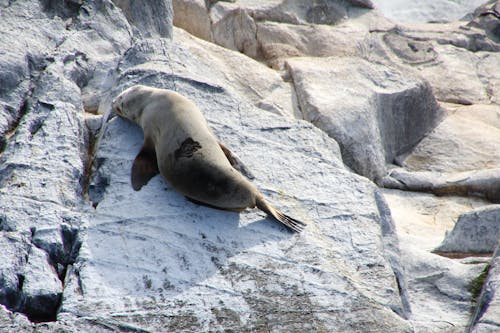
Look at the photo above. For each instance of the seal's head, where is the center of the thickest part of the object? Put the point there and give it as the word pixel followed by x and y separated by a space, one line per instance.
pixel 130 103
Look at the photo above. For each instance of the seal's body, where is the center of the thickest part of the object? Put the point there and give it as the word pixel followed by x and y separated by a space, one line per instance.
pixel 180 146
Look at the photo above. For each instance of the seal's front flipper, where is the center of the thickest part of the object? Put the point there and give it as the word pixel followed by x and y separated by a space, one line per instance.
pixel 144 168
pixel 236 162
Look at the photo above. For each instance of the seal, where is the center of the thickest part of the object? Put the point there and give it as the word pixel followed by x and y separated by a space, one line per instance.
pixel 179 145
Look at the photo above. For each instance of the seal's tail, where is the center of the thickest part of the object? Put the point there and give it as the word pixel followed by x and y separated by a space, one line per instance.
pixel 288 221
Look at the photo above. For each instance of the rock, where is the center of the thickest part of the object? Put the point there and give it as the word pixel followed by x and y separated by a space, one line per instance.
pixel 275 30
pixel 51 125
pixel 465 87
pixel 44 153
pixel 41 288
pixel 362 3
pixel 14 322
pixel 410 51
pixel 19 65
pixel 373 105
pixel 281 41
pixel 467 139
pixel 192 16
pixel 236 31
pixel 74 235
pixel 427 10
pixel 254 28
pixel 292 12
pixel 60 244
pixel 258 84
pixel 477 231
pixel 485 318
pixel 484 183
pixel 197 268
pixel 438 287
pixel 426 217
pixel 151 18
pixel 486 17
pixel 94 124
pixel 52 130
pixel 435 50
pixel 15 249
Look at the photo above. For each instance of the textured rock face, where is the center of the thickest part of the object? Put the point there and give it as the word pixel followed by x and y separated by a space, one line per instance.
pixel 385 110
pixel 438 287
pixel 486 318
pixel 475 232
pixel 210 270
pixel 150 18
pixel 82 251
pixel 427 10
pixel 468 139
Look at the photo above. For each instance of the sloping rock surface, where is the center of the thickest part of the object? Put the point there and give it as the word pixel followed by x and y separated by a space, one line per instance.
pixel 195 268
pixel 280 82
pixel 486 318
pixel 152 260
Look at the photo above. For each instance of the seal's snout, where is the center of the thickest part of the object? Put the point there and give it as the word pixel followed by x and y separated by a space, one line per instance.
pixel 115 107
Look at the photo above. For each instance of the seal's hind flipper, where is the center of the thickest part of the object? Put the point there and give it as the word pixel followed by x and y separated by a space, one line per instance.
pixel 289 222
pixel 236 162
pixel 144 168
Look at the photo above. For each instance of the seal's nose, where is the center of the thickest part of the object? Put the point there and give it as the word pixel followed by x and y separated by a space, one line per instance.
pixel 115 107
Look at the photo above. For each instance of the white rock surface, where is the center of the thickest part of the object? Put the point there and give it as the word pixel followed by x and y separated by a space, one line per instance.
pixel 468 139
pixel 260 85
pixel 41 288
pixel 276 29
pixel 152 261
pixel 15 249
pixel 482 183
pixel 438 287
pixel 477 231
pixel 425 218
pixel 193 16
pixel 367 108
pixel 196 268
pixel 426 10
pixel 486 318
pixel 149 18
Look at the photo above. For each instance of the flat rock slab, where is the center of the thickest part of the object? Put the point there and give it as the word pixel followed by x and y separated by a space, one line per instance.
pixel 438 287
pixel 467 139
pixel 425 217
pixel 153 259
